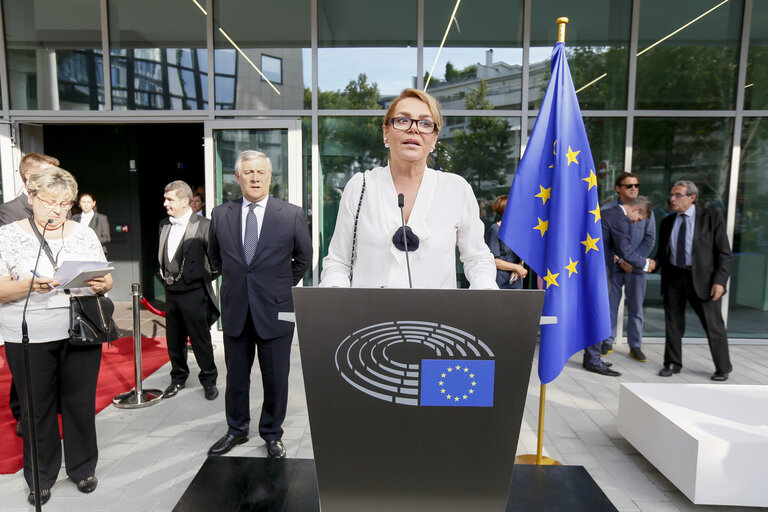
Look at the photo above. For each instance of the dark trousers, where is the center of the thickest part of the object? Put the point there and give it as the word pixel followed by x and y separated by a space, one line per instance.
pixel 188 314
pixel 13 400
pixel 69 373
pixel 274 362
pixel 680 290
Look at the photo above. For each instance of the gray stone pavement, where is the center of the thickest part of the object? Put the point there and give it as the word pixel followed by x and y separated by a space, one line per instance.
pixel 149 456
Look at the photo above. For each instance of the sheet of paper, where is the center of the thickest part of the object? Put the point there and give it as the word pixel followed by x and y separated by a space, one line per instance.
pixel 71 269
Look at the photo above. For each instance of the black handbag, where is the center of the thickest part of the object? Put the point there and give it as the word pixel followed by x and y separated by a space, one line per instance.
pixel 90 320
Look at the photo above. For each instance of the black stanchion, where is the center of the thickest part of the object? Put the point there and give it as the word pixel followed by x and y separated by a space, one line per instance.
pixel 137 397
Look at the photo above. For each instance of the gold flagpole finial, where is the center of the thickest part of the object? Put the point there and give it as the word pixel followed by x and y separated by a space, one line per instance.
pixel 561 23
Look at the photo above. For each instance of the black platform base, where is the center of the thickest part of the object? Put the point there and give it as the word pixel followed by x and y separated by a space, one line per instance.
pixel 290 485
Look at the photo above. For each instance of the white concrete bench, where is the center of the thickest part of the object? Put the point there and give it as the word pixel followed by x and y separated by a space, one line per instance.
pixel 709 440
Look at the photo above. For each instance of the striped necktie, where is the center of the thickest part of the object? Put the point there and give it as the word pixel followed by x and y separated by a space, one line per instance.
pixel 251 234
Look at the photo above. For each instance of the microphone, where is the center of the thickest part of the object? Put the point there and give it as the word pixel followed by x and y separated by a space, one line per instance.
pixel 28 373
pixel 401 204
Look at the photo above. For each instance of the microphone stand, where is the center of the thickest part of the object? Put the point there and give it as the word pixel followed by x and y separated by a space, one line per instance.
pixel 28 381
pixel 400 204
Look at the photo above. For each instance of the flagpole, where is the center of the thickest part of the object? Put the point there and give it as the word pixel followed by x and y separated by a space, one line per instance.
pixel 540 459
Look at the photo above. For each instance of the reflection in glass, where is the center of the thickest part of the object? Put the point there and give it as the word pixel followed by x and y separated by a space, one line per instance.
pixel 748 293
pixel 484 42
pixel 229 144
pixel 363 42
pixel 54 55
pixel 597 44
pixel 259 58
pixel 703 54
pixel 667 150
pixel 756 87
pixel 158 61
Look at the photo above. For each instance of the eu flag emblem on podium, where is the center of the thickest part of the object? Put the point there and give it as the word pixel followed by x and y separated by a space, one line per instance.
pixel 457 383
pixel 552 222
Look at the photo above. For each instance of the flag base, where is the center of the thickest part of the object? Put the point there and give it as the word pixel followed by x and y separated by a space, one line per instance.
pixel 530 459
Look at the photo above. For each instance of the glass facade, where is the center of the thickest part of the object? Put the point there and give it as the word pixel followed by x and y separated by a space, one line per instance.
pixel 659 86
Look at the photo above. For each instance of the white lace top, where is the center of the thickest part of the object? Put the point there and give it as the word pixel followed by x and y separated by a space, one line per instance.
pixel 47 314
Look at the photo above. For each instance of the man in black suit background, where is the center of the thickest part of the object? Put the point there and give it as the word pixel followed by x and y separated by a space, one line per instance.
pixel 695 260
pixel 617 222
pixel 190 303
pixel 262 247
pixel 17 209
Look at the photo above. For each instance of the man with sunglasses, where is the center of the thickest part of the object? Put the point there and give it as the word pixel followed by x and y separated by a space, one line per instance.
pixel 695 260
pixel 624 274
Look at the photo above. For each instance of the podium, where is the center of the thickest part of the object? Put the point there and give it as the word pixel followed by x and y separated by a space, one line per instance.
pixel 415 397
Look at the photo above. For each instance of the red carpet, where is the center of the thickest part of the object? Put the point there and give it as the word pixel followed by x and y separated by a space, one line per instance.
pixel 117 375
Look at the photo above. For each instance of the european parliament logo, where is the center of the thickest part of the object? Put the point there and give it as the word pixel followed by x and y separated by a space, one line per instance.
pixel 418 364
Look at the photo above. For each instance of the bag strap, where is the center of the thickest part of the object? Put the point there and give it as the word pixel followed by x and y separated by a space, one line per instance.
pixel 40 237
pixel 354 232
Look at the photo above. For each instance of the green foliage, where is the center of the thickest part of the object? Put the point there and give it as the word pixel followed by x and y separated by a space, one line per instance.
pixel 482 152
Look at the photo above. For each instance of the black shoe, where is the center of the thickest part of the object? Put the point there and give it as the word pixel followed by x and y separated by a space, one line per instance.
pixel 87 485
pixel 45 495
pixel 275 449
pixel 226 443
pixel 172 390
pixel 606 348
pixel 607 364
pixel 719 376
pixel 18 429
pixel 668 371
pixel 210 392
pixel 637 354
pixel 603 370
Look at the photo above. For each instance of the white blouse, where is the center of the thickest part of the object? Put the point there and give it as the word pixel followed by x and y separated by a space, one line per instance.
pixel 445 215
pixel 47 313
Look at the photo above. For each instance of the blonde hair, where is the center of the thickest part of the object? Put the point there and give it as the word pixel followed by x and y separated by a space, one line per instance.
pixel 431 102
pixel 53 180
pixel 181 188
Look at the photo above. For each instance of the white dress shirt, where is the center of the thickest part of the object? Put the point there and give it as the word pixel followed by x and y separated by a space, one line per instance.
pixel 261 207
pixel 85 218
pixel 445 215
pixel 176 234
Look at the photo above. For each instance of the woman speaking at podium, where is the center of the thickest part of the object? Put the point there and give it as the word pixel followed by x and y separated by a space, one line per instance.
pixel 439 210
pixel 60 372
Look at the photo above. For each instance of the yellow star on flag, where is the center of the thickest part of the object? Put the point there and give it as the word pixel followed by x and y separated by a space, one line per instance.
pixel 571 154
pixel 544 194
pixel 554 148
pixel 596 212
pixel 551 278
pixel 572 267
pixel 543 226
pixel 590 243
pixel 592 179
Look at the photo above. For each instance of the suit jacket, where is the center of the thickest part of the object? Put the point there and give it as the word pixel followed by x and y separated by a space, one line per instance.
pixel 100 224
pixel 283 254
pixel 710 254
pixel 617 239
pixel 193 251
pixel 643 237
pixel 15 209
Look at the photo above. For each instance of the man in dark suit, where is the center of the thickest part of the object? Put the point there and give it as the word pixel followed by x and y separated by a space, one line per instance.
pixel 617 225
pixel 190 304
pixel 18 209
pixel 262 247
pixel 98 222
pixel 622 274
pixel 695 260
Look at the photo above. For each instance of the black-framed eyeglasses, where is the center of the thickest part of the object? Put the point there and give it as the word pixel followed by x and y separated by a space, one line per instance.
pixel 404 124
pixel 631 185
pixel 51 205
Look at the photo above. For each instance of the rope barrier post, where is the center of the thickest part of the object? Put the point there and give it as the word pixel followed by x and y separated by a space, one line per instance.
pixel 138 397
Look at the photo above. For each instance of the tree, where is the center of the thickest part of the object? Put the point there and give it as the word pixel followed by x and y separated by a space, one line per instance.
pixel 482 152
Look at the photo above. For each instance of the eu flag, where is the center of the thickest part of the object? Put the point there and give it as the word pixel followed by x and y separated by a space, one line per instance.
pixel 552 221
pixel 457 382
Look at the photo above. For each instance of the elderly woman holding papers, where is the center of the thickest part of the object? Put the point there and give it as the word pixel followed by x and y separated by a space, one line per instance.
pixel 440 212
pixel 60 371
